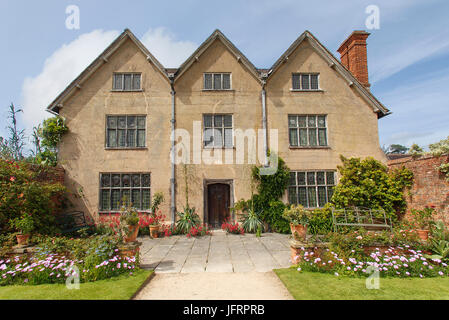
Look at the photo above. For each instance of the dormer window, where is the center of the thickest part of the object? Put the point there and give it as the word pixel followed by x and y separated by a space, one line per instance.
pixel 217 81
pixel 305 81
pixel 127 82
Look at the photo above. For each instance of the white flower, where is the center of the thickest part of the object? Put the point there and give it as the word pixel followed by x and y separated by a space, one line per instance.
pixel 299 269
pixel 336 274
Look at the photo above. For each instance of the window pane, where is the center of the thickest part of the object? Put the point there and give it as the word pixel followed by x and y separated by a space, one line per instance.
pixel 330 193
pixel 228 138
pixel 310 178
pixel 302 121
pixel 135 180
pixel 320 178
pixel 322 121
pixel 218 121
pixel 105 201
pixel 321 196
pixel 208 137
pixel 126 180
pixel 141 138
pixel 146 199
pixel 115 199
pixel 126 198
pixel 112 122
pixel 136 81
pixel 311 193
pixel 121 122
pixel 127 80
pixel 292 122
pixel 322 137
pixel 292 196
pixel 217 81
pixel 146 180
pixel 141 122
pixel 330 178
pixel 228 121
pixel 105 180
pixel 311 121
pixel 218 136
pixel 135 198
pixel 301 178
pixel 121 138
pixel 131 122
pixel 302 196
pixel 293 178
pixel 208 121
pixel 303 137
pixel 207 81
pixel 226 81
pixel 116 180
pixel 118 83
pixel 131 137
pixel 314 82
pixel 312 137
pixel 293 136
pixel 295 82
pixel 112 138
pixel 305 83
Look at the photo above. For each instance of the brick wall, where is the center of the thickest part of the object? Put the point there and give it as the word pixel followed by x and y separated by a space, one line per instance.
pixel 429 185
pixel 55 174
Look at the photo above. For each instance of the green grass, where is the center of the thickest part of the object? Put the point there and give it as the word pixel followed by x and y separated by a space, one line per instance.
pixel 320 286
pixel 118 288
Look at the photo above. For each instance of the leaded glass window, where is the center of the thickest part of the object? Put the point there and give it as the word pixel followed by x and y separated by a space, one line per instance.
pixel 305 81
pixel 307 130
pixel 125 131
pixel 218 131
pixel 217 81
pixel 126 82
pixel 311 189
pixel 117 189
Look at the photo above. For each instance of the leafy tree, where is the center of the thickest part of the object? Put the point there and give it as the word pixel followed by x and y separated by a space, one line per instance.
pixel 46 138
pixel 368 183
pixel 415 150
pixel 439 148
pixel 397 149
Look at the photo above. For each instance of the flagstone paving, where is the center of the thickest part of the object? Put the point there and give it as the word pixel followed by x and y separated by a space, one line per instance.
pixel 220 252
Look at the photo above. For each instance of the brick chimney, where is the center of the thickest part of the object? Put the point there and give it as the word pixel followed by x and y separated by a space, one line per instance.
pixel 354 57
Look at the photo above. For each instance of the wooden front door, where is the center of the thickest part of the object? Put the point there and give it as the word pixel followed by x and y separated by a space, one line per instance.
pixel 218 196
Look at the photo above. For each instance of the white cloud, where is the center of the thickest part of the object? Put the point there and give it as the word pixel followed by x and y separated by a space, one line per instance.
pixel 163 45
pixel 61 68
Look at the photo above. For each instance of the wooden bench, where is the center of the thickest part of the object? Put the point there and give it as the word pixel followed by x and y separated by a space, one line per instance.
pixel 71 221
pixel 361 217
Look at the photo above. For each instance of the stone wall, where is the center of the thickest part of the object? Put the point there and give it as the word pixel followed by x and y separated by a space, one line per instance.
pixel 429 185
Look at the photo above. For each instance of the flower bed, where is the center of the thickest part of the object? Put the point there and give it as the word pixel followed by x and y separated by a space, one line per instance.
pixel 234 228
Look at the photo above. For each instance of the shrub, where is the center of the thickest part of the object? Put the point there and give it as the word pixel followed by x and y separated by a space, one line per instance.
pixel 367 183
pixel 198 231
pixel 296 214
pixel 320 220
pixel 230 227
pixel 187 220
pixel 252 222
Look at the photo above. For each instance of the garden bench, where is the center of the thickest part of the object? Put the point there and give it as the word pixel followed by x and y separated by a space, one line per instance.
pixel 71 221
pixel 361 217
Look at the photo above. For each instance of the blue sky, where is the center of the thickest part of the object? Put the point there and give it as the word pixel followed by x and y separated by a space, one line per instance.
pixel 408 57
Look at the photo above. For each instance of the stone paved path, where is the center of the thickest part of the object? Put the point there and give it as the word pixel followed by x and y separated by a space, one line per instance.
pixel 220 252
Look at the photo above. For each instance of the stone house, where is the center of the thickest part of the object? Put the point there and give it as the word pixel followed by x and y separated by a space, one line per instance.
pixel 136 128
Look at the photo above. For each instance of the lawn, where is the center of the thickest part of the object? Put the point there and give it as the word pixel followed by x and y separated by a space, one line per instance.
pixel 118 288
pixel 320 286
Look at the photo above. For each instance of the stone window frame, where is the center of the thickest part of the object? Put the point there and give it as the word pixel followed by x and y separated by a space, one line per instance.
pixel 214 127
pixel 109 186
pixel 308 128
pixel 300 76
pixel 123 74
pixel 213 75
pixel 296 185
pixel 126 129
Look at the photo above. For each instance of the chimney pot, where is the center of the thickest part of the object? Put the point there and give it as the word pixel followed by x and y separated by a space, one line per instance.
pixel 353 56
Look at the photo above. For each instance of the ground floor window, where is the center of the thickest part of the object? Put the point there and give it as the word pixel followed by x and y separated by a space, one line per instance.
pixel 117 189
pixel 311 189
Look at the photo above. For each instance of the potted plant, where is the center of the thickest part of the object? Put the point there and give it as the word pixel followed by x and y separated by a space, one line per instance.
pixel 298 217
pixel 129 220
pixel 422 221
pixel 24 225
pixel 155 219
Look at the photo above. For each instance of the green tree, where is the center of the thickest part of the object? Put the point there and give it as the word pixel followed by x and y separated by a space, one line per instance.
pixel 46 138
pixel 397 149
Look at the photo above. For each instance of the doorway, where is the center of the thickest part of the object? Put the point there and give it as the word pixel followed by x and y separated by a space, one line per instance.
pixel 218 203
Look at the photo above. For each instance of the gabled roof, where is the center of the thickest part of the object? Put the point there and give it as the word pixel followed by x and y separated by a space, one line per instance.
pixel 334 63
pixel 98 62
pixel 217 34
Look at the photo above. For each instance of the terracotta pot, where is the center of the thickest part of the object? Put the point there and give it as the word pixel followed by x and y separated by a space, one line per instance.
pixel 154 231
pixel 133 232
pixel 423 234
pixel 22 239
pixel 299 231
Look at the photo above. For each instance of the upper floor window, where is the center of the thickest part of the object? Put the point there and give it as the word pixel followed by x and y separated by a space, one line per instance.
pixel 311 189
pixel 305 81
pixel 125 131
pixel 218 131
pixel 217 81
pixel 307 130
pixel 127 82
